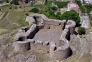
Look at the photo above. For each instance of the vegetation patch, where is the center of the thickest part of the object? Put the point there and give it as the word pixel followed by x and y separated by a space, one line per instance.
pixel 81 30
pixel 22 22
pixel 61 4
pixel 71 15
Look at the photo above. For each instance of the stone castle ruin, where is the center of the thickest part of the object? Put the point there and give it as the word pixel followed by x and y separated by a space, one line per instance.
pixel 45 35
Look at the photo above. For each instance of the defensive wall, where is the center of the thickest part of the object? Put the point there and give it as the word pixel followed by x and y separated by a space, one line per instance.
pixel 25 38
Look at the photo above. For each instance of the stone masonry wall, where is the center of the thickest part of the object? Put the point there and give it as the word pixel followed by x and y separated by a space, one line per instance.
pixel 40 21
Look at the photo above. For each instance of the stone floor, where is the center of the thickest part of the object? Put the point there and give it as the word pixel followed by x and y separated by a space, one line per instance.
pixel 48 35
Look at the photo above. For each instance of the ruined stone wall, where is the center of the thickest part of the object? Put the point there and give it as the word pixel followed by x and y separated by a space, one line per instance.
pixel 21 41
pixel 22 45
pixel 40 21
pixel 53 24
pixel 62 52
pixel 39 46
pixel 71 25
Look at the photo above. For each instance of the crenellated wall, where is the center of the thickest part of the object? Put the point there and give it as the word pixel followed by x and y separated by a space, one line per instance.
pixel 58 51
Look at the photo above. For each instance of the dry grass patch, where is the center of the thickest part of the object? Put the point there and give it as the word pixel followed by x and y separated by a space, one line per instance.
pixel 3 30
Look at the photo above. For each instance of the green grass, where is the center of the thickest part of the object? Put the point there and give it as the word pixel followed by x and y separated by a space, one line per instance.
pixel 16 15
pixel 13 18
pixel 77 58
pixel 22 22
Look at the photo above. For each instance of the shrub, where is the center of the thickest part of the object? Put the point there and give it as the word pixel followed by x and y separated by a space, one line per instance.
pixel 54 8
pixel 81 30
pixel 58 15
pixel 27 14
pixel 35 10
pixel 71 15
pixel 61 4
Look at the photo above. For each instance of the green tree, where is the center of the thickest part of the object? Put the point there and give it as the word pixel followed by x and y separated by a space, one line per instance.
pixel 51 12
pixel 35 10
pixel 71 15
pixel 88 8
pixel 82 8
pixel 58 15
pixel 61 4
pixel 54 8
pixel 81 30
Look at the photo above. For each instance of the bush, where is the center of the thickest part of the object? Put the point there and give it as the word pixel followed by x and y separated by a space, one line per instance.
pixel 58 15
pixel 81 30
pixel 27 14
pixel 71 15
pixel 35 10
pixel 61 4
pixel 54 8
pixel 51 12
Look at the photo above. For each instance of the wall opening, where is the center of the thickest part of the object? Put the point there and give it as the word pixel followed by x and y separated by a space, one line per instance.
pixel 70 52
pixel 49 28
pixel 25 29
pixel 21 39
pixel 59 23
pixel 48 44
pixel 64 25
pixel 55 48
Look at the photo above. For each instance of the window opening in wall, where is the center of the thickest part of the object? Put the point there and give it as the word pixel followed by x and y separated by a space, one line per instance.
pixel 55 48
pixel 59 23
pixel 49 27
pixel 48 43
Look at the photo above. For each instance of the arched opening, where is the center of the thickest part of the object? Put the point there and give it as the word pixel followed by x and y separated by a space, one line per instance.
pixel 21 39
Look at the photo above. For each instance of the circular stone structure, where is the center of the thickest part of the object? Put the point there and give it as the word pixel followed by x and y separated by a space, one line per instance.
pixel 22 45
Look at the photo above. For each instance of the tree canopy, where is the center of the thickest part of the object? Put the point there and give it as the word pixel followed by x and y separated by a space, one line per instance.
pixel 71 15
pixel 61 4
